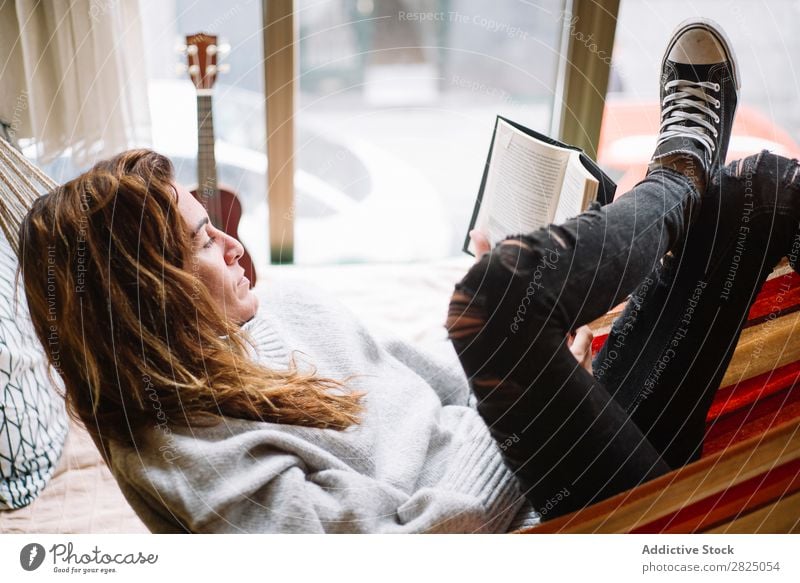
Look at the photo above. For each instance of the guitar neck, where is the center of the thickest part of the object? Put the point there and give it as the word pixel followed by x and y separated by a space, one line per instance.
pixel 206 162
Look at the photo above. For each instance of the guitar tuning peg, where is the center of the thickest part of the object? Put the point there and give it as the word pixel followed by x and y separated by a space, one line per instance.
pixel 191 50
pixel 211 50
pixel 194 69
pixel 211 70
pixel 224 68
pixel 180 68
pixel 224 49
pixel 180 48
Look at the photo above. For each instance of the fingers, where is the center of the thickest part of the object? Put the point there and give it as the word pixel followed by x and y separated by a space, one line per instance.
pixel 581 347
pixel 481 243
pixel 583 339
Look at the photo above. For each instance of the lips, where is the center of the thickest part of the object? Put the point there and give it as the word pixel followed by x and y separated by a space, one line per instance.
pixel 242 279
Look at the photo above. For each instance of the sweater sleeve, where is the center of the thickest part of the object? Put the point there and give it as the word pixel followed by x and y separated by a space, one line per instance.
pixel 269 482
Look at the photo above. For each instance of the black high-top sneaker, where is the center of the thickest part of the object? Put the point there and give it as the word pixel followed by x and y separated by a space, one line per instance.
pixel 699 93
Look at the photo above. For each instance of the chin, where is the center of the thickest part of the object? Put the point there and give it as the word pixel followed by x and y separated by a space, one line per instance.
pixel 254 299
pixel 244 319
pixel 250 309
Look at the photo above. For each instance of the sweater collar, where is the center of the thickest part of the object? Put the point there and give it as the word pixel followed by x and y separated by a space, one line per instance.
pixel 269 345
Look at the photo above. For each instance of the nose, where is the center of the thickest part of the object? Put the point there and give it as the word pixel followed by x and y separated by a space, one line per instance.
pixel 233 249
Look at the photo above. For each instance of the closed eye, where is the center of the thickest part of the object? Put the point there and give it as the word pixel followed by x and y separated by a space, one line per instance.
pixel 210 242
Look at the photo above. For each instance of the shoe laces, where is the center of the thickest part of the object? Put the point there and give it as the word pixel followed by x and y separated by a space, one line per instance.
pixel 690 103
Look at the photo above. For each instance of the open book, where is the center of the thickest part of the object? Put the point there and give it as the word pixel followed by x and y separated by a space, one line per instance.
pixel 530 181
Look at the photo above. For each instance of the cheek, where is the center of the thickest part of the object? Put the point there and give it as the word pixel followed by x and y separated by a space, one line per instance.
pixel 209 273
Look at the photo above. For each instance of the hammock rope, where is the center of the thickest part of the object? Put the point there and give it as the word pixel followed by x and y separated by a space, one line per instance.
pixel 21 183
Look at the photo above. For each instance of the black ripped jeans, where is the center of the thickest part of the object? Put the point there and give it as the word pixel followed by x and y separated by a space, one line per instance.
pixel 571 437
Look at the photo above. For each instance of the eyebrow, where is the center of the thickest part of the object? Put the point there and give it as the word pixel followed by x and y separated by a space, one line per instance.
pixel 202 222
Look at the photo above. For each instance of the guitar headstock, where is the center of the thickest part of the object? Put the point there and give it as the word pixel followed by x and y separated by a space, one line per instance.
pixel 202 53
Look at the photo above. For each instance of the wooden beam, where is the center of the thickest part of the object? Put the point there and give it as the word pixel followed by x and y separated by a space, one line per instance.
pixel 590 29
pixel 279 88
pixel 668 494
pixel 779 518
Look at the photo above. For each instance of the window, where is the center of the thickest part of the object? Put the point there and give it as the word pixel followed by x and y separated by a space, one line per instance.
pixel 395 108
pixel 763 36
pixel 397 103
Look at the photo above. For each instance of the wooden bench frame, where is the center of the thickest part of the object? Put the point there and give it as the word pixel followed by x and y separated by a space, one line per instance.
pixel 751 487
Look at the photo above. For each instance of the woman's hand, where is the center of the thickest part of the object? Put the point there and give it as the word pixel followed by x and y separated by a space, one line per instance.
pixel 481 243
pixel 580 345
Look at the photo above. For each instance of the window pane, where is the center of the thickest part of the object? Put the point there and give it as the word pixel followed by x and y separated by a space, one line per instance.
pixel 396 108
pixel 764 38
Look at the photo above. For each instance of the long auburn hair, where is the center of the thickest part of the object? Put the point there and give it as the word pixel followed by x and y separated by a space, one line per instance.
pixel 136 337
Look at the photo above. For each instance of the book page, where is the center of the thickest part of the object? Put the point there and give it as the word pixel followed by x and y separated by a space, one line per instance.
pixel 576 191
pixel 522 185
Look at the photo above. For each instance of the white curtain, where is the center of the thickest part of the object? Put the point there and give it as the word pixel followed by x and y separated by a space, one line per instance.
pixel 72 76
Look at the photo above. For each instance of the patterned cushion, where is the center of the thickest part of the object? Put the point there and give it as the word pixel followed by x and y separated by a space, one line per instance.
pixel 33 421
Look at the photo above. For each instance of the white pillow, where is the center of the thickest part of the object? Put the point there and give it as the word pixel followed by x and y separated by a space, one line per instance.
pixel 33 420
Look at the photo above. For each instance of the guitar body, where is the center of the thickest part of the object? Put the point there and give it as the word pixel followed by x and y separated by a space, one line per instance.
pixel 223 206
pixel 231 214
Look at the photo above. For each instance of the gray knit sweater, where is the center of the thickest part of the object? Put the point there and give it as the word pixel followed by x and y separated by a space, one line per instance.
pixel 421 460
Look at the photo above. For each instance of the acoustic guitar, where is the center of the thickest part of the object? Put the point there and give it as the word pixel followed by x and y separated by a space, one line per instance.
pixel 223 206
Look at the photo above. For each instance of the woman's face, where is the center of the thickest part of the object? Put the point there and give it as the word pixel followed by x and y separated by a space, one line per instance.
pixel 216 260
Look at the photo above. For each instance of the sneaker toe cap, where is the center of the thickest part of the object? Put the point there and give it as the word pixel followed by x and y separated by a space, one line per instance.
pixel 697 47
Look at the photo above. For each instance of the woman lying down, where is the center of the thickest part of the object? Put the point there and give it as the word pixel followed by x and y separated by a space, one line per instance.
pixel 220 415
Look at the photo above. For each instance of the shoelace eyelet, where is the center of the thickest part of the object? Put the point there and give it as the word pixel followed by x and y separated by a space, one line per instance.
pixel 717 104
pixel 716 86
